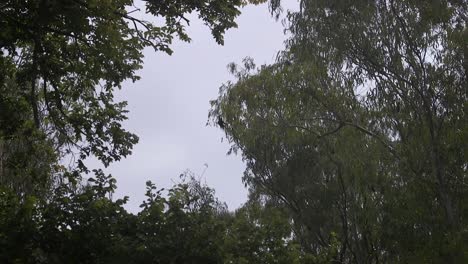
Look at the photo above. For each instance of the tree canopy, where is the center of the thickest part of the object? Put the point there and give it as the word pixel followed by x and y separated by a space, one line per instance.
pixel 360 128
pixel 61 62
pixel 355 138
pixel 185 224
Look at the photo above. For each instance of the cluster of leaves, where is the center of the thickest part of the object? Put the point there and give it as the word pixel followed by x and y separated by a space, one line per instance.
pixel 60 62
pixel 188 225
pixel 360 128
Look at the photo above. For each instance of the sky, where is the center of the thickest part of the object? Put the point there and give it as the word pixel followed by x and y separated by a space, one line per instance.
pixel 169 109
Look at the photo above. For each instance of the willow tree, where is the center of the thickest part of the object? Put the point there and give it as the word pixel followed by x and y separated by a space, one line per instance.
pixel 360 128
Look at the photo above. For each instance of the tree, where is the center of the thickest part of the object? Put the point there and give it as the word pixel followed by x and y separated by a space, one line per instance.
pixel 261 233
pixel 359 128
pixel 186 224
pixel 62 60
pixel 185 227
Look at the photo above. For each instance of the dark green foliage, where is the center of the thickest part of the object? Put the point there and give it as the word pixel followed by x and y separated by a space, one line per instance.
pixel 60 62
pixel 355 139
pixel 360 128
pixel 188 225
pixel 261 234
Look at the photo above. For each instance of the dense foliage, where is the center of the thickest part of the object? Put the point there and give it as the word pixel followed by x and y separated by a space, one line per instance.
pixel 186 224
pixel 360 128
pixel 60 62
pixel 355 139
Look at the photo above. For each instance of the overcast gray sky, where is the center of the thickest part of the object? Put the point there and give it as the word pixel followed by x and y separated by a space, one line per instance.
pixel 169 107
